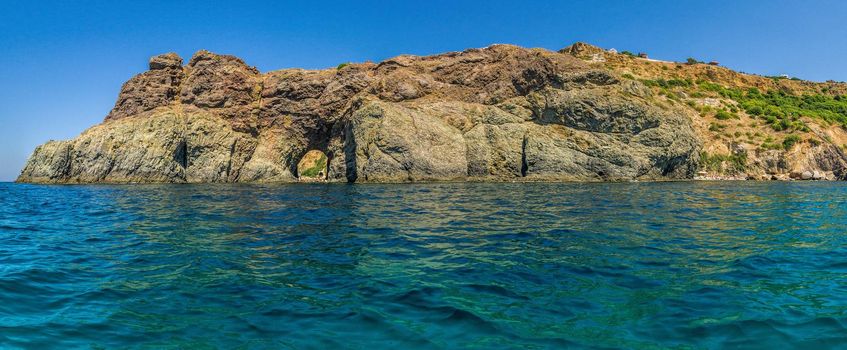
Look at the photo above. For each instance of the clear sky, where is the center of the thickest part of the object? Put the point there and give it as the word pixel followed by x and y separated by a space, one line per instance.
pixel 62 63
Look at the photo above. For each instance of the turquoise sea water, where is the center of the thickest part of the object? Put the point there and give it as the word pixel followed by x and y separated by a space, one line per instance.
pixel 626 265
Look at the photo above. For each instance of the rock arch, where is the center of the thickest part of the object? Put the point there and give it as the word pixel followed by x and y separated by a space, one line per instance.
pixel 313 166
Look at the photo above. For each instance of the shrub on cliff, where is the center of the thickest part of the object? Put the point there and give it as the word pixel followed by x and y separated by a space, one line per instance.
pixel 782 110
pixel 735 163
pixel 724 115
pixel 790 141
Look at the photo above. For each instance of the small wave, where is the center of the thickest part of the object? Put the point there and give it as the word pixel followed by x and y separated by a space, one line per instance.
pixel 495 290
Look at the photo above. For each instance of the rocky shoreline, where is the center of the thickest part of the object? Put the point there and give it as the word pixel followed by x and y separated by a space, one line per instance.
pixel 794 176
pixel 500 113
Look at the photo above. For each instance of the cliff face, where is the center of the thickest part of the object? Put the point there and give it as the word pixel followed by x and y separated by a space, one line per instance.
pixel 499 113
pixel 751 126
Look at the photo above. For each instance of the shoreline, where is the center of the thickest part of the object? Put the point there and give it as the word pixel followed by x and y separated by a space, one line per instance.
pixel 694 179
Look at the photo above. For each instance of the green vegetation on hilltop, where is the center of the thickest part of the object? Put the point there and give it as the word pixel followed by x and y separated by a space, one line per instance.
pixel 781 110
pixel 692 60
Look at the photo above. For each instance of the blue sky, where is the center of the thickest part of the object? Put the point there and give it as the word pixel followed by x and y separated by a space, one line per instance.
pixel 62 63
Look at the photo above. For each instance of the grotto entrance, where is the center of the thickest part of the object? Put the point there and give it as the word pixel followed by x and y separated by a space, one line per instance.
pixel 313 166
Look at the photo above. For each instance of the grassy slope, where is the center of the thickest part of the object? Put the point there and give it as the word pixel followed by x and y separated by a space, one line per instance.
pixel 733 109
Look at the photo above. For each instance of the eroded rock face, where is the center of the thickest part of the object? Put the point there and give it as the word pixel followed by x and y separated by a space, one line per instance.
pixel 390 143
pixel 166 147
pixel 500 113
pixel 155 88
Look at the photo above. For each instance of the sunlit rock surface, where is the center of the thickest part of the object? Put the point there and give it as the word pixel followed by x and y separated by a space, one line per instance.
pixel 500 113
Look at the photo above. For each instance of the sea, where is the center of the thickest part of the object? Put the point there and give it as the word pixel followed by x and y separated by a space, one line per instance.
pixel 667 265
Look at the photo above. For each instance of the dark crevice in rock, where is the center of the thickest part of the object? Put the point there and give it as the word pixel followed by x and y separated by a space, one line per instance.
pixel 68 168
pixel 669 166
pixel 524 166
pixel 181 154
pixel 350 165
pixel 329 158
pixel 229 162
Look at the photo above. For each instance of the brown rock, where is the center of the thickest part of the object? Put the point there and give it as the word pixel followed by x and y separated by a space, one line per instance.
pixel 164 61
pixel 151 89
pixel 224 85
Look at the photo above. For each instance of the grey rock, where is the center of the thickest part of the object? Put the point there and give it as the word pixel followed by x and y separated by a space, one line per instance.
pixel 395 144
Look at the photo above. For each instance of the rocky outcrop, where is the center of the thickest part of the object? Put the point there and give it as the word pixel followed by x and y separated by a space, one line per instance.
pixel 750 126
pixel 500 113
pixel 157 87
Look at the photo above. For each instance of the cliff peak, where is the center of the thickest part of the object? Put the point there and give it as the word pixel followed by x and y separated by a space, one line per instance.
pixel 164 61
pixel 208 56
pixel 579 49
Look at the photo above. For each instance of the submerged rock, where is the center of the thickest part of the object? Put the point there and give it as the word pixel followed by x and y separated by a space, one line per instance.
pixel 499 113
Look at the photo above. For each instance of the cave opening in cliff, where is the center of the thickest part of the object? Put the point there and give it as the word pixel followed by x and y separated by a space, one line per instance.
pixel 313 166
pixel 181 154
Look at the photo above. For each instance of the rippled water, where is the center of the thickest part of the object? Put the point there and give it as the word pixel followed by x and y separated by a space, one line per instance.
pixel 638 265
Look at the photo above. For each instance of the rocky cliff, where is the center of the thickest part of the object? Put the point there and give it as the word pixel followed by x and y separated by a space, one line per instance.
pixel 751 126
pixel 499 113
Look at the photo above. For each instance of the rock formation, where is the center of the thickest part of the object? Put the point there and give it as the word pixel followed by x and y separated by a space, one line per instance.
pixel 500 113
pixel 751 126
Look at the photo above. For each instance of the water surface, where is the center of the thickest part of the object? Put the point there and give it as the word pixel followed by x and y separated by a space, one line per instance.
pixel 626 265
